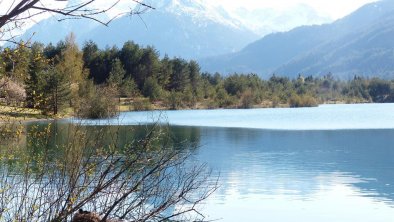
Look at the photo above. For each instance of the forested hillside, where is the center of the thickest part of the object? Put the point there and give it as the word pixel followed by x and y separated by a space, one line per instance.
pixel 97 82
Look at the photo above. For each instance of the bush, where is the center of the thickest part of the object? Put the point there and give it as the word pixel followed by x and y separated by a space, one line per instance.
pixel 224 100
pixel 296 101
pixel 142 105
pixel 152 89
pixel 100 104
pixel 247 99
pixel 12 92
pixel 174 100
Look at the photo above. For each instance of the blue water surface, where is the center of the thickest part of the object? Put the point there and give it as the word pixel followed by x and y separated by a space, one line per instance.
pixel 332 163
pixel 324 117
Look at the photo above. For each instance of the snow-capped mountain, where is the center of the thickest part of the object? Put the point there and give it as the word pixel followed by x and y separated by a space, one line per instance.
pixel 200 11
pixel 186 28
pixel 261 21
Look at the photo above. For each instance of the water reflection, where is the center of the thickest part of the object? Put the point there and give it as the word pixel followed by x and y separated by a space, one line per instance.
pixel 302 168
pixel 341 175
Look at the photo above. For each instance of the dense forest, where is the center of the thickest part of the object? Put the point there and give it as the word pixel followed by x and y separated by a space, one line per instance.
pixel 94 82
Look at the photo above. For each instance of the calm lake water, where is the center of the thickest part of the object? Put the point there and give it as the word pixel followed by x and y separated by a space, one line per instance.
pixel 331 163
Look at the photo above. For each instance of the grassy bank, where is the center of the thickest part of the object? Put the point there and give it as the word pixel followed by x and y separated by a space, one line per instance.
pixel 10 113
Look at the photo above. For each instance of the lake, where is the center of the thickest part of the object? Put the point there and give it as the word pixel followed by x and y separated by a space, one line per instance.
pixel 329 163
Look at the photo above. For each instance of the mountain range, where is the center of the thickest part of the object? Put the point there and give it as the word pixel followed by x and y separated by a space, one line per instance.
pixel 190 29
pixel 229 41
pixel 361 43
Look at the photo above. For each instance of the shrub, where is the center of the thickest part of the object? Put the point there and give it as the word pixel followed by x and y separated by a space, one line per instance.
pixel 100 104
pixel 12 92
pixel 296 101
pixel 152 89
pixel 174 100
pixel 247 99
pixel 142 105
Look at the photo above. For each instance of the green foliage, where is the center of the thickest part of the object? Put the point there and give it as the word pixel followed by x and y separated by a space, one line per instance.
pixel 38 64
pixel 165 72
pixel 98 103
pixel 152 89
pixel 189 97
pixel 247 99
pixel 135 71
pixel 142 105
pixel 302 101
pixel 16 62
pixel 180 77
pixel 129 88
pixel 223 99
pixel 130 55
pixel 70 62
pixel 148 66
pixel 90 51
pixel 174 100
pixel 53 90
pixel 116 75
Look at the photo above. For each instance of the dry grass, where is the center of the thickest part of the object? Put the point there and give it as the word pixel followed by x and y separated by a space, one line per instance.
pixel 9 113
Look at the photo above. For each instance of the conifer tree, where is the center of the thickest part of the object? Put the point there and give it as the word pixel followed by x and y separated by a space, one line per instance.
pixel 180 75
pixel 165 72
pixel 54 88
pixel 116 75
pixel 38 63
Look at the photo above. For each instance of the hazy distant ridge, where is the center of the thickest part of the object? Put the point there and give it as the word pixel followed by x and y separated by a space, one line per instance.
pixel 359 44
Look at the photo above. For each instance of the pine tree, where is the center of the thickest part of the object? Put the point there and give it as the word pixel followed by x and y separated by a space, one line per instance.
pixel 38 63
pixel 53 86
pixel 180 75
pixel 152 89
pixel 148 66
pixel 195 79
pixel 130 55
pixel 129 88
pixel 165 72
pixel 116 75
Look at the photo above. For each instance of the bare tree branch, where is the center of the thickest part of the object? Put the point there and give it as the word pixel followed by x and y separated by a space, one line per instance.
pixel 23 11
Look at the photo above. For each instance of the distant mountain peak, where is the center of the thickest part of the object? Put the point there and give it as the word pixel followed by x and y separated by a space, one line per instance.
pixel 200 10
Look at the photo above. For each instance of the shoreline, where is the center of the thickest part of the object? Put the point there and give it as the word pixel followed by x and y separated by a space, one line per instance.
pixel 29 117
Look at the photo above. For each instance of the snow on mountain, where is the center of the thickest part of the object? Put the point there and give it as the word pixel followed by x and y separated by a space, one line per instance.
pixel 261 21
pixel 185 28
pixel 201 12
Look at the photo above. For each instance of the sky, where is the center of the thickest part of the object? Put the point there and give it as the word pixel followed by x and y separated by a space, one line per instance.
pixel 335 9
